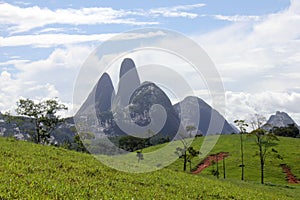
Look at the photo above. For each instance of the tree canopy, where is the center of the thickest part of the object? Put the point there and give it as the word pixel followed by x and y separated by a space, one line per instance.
pixel 43 114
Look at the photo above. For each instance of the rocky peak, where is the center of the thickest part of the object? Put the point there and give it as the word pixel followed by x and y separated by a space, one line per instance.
pixel 128 83
pixel 280 119
pixel 210 120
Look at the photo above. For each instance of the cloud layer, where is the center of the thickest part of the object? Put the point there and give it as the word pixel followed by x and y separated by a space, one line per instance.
pixel 22 19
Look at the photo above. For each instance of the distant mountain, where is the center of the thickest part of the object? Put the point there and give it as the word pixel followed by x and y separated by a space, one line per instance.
pixel 280 119
pixel 210 120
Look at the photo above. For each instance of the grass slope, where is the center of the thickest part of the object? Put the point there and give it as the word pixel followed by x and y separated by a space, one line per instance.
pixel 288 148
pixel 30 171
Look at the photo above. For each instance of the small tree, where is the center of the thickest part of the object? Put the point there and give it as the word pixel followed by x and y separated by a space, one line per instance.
pixel 217 162
pixel 290 131
pixel 190 129
pixel 139 155
pixel 264 141
pixel 187 154
pixel 224 168
pixel 43 114
pixel 242 126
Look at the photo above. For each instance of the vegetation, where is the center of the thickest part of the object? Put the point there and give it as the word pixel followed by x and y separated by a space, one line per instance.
pixel 43 114
pixel 289 149
pixel 264 141
pixel 242 126
pixel 290 131
pixel 187 154
pixel 30 171
pixel 190 129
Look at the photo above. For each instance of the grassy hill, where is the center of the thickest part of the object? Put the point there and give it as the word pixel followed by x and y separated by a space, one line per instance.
pixel 288 148
pixel 30 171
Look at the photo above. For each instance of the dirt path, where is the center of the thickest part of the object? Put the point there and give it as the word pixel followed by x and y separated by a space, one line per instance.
pixel 290 177
pixel 208 161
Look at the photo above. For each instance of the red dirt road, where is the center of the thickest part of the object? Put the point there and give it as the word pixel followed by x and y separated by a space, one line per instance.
pixel 290 177
pixel 208 161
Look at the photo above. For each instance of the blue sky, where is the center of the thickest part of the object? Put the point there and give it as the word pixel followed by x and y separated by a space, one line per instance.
pixel 254 44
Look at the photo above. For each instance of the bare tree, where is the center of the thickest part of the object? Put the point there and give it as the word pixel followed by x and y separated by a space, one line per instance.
pixel 187 153
pixel 264 141
pixel 242 126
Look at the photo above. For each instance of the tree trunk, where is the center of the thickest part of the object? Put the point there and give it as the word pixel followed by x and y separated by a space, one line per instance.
pixel 184 162
pixel 217 166
pixel 262 163
pixel 37 130
pixel 224 169
pixel 262 171
pixel 242 156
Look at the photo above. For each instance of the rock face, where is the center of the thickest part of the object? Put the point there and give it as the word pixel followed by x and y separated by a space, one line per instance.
pixel 210 120
pixel 104 94
pixel 147 95
pixel 129 81
pixel 100 98
pixel 280 119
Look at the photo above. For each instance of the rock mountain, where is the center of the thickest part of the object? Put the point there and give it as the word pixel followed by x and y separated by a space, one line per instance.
pixel 280 119
pixel 139 97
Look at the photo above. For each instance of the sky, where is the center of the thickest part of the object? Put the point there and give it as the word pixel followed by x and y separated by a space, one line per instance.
pixel 255 46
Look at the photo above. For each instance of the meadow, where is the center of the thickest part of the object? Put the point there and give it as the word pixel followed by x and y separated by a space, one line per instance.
pixel 31 171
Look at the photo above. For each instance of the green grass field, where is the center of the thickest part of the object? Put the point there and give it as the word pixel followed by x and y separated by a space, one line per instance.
pixel 288 148
pixel 30 171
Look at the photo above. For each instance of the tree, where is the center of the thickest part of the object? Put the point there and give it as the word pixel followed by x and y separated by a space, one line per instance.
pixel 131 143
pixel 187 154
pixel 43 114
pixel 224 168
pixel 139 155
pixel 264 141
pixel 290 131
pixel 242 126
pixel 190 129
pixel 79 146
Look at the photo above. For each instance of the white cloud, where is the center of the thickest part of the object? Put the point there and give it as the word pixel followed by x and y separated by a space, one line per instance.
pixel 45 78
pixel 11 89
pixel 51 30
pixel 242 105
pixel 22 19
pixel 176 11
pixel 238 18
pixel 25 19
pixel 256 54
pixel 50 40
pixel 13 62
